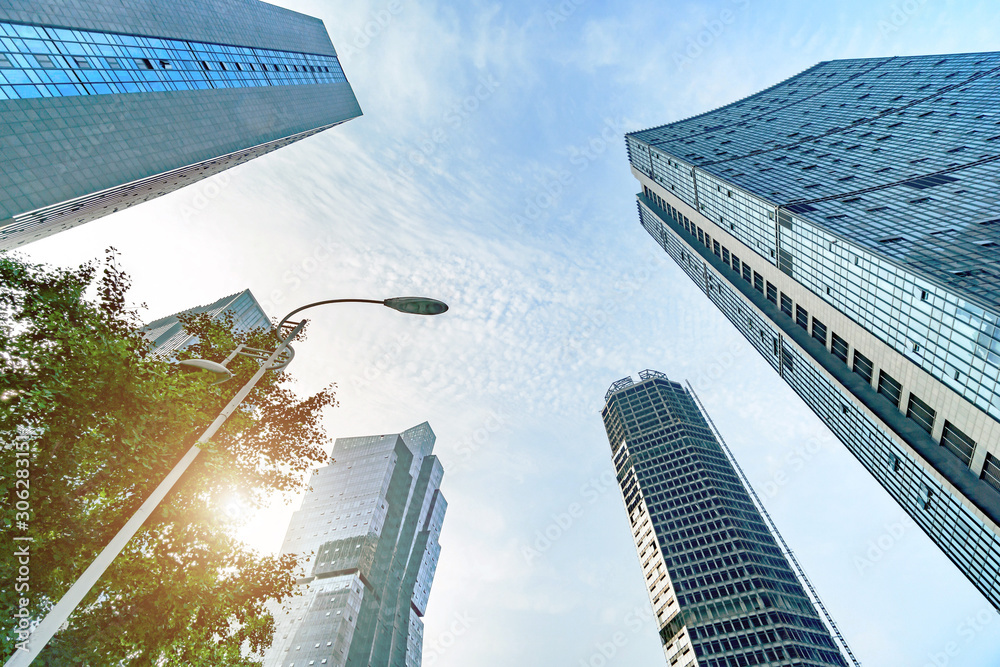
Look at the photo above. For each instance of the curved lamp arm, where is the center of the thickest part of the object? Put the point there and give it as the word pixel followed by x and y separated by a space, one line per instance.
pixel 313 305
pixel 414 305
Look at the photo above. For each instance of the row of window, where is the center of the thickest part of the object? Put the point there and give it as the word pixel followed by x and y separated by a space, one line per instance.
pixel 769 656
pixel 41 61
pixel 952 438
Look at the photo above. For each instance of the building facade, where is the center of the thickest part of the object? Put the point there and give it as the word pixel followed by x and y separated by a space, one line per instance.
pixel 167 335
pixel 722 589
pixel 845 222
pixel 109 103
pixel 371 521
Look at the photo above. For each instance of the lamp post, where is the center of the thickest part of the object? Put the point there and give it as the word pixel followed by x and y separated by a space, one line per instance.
pixel 280 357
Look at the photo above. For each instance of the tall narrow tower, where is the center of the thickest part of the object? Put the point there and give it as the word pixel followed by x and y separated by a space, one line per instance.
pixel 845 221
pixel 109 103
pixel 371 521
pixel 721 588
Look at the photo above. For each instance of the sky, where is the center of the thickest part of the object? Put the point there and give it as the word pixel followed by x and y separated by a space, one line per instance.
pixel 489 171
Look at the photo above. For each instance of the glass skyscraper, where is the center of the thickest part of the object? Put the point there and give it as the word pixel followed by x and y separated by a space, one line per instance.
pixel 845 221
pixel 109 103
pixel 722 589
pixel 168 336
pixel 372 520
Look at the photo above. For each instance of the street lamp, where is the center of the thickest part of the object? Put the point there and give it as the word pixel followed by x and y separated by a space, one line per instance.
pixel 280 357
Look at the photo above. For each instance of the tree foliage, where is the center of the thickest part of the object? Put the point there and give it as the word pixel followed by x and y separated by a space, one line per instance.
pixel 102 421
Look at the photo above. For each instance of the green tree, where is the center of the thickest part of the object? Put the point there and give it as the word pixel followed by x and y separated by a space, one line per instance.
pixel 100 421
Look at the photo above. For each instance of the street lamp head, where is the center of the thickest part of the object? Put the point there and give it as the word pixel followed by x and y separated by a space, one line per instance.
pixel 222 373
pixel 416 305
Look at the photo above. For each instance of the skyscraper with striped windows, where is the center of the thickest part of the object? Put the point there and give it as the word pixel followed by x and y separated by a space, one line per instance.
pixel 718 576
pixel 845 222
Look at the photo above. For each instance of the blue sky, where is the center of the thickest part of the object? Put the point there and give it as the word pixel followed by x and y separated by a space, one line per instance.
pixel 489 170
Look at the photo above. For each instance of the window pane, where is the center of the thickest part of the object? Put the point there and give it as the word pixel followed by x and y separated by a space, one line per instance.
pixel 957 443
pixel 991 472
pixel 819 331
pixel 786 360
pixel 921 413
pixel 786 305
pixel 802 317
pixel 839 347
pixel 863 366
pixel 888 387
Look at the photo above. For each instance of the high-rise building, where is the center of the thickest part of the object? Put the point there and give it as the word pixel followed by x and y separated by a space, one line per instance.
pixel 845 221
pixel 109 103
pixel 371 521
pixel 722 589
pixel 167 334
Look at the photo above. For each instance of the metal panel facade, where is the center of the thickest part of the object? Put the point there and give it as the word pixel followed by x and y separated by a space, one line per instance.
pixel 92 124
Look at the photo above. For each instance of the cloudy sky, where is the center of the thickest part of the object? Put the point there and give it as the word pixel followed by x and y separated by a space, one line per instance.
pixel 489 170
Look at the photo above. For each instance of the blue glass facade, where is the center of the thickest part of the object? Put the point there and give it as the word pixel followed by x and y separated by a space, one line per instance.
pixel 110 103
pixel 722 588
pixel 44 61
pixel 844 221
